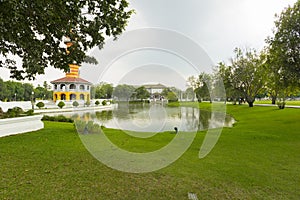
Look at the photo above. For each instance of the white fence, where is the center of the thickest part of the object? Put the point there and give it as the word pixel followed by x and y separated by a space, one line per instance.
pixel 12 126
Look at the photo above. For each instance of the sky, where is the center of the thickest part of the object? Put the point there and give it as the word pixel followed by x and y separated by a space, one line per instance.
pixel 180 38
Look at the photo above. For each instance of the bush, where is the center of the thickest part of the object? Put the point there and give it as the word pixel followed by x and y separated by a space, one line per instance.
pixel 88 103
pixel 104 102
pixel 281 104
pixel 29 112
pixel 61 104
pixel 1 113
pixel 112 101
pixel 87 128
pixel 97 103
pixel 14 112
pixel 40 105
pixel 59 118
pixel 75 104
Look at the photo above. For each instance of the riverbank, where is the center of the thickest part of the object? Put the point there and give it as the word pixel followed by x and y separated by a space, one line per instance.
pixel 258 158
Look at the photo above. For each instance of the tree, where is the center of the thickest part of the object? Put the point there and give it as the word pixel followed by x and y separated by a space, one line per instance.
pixel 171 96
pixel 285 44
pixel 28 89
pixel 204 87
pixel 103 91
pixel 123 92
pixel 37 28
pixel 248 73
pixel 142 93
pixel 3 89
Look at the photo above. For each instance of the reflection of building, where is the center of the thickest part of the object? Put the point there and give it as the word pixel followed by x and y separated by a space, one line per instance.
pixel 71 87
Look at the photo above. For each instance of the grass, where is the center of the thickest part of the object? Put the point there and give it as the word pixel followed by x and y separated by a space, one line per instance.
pixel 256 159
pixel 290 103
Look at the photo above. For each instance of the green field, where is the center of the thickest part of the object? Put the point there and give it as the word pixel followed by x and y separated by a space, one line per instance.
pixel 259 158
pixel 290 103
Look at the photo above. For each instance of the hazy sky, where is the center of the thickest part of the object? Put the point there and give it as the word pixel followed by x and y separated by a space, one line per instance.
pixel 216 26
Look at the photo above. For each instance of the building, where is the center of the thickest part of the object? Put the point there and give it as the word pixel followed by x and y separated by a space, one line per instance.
pixel 155 88
pixel 71 87
pixel 155 91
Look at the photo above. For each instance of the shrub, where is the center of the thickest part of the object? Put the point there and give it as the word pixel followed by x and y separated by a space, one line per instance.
pixel 104 102
pixel 87 127
pixel 14 112
pixel 29 112
pixel 40 105
pixel 61 104
pixel 112 101
pixel 1 113
pixel 281 104
pixel 75 104
pixel 88 103
pixel 97 103
pixel 59 118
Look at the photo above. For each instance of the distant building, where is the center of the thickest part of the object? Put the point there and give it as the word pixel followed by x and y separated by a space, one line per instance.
pixel 71 87
pixel 155 91
pixel 155 88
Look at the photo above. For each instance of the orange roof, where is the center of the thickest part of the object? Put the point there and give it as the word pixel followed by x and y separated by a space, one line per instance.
pixel 70 80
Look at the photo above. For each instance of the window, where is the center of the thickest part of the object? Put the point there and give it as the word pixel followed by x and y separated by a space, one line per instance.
pixel 82 97
pixel 81 87
pixel 72 87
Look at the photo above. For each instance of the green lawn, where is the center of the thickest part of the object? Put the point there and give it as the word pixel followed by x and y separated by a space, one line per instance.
pixel 290 103
pixel 259 158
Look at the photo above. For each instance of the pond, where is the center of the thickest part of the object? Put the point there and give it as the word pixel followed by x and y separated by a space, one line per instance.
pixel 154 118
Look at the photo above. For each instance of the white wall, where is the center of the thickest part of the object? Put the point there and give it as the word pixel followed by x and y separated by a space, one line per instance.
pixel 25 105
pixel 12 126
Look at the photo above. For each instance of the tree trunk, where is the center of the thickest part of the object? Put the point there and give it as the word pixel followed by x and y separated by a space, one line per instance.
pixel 250 103
pixel 274 100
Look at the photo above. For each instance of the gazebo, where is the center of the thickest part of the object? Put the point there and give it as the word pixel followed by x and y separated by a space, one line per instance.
pixel 71 87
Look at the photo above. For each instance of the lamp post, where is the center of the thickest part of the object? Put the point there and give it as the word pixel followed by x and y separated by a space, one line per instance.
pixel 32 100
pixel 15 96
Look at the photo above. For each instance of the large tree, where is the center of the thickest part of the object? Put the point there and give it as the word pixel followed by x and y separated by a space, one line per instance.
pixel 285 44
pixel 248 73
pixel 123 92
pixel 34 31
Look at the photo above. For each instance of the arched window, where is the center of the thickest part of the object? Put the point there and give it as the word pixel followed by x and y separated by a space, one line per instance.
pixel 72 87
pixel 88 87
pixel 81 96
pixel 81 87
pixel 63 87
pixel 62 97
pixel 55 97
pixel 55 87
pixel 72 97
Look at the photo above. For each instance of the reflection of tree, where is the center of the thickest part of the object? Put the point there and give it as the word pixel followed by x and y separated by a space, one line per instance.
pixel 105 115
pixel 191 117
pixel 123 111
pixel 204 119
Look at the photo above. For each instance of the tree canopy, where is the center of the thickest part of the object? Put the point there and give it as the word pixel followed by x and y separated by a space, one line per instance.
pixel 34 31
pixel 285 44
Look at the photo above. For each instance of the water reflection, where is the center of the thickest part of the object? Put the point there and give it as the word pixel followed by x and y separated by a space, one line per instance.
pixel 155 118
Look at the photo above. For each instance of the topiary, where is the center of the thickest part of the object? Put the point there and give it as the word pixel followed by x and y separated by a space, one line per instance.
pixel 75 104
pixel 40 105
pixel 61 104
pixel 104 102
pixel 97 103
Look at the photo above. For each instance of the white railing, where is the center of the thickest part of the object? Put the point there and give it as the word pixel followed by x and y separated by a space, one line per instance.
pixel 12 126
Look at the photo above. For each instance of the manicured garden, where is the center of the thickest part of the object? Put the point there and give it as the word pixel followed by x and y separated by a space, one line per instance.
pixel 256 159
